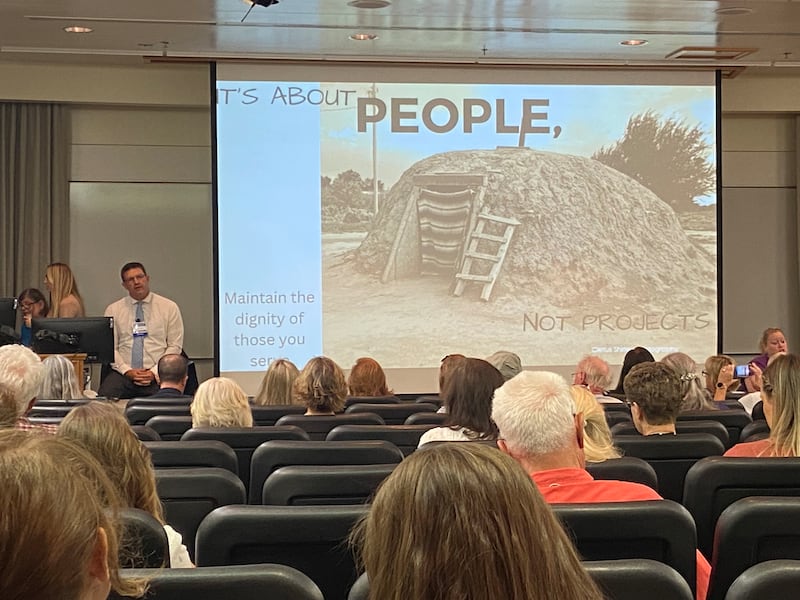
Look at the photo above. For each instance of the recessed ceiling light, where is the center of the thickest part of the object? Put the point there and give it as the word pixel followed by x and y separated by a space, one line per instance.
pixel 734 10
pixel 363 37
pixel 633 42
pixel 78 29
pixel 369 3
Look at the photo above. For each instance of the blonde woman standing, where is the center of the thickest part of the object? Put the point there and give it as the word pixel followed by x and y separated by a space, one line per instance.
pixel 65 299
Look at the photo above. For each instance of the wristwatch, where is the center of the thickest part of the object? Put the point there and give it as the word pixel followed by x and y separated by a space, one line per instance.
pixel 720 385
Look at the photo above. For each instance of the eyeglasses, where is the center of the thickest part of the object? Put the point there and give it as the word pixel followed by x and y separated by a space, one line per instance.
pixel 27 305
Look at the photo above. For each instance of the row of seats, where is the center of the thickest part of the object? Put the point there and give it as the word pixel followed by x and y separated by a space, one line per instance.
pixel 312 538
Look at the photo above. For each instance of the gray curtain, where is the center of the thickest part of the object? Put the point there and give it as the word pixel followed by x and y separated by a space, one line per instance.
pixel 35 141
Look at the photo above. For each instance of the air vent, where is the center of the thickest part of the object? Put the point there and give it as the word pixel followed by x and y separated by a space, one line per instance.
pixel 709 53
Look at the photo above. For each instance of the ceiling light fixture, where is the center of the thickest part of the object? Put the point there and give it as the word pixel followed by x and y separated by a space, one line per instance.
pixel 369 3
pixel 78 29
pixel 633 42
pixel 363 37
pixel 732 11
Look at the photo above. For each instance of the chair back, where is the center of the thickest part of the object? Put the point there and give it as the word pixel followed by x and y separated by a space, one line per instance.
pixel 139 414
pixel 205 453
pixel 750 531
pixel 659 530
pixel 771 580
pixel 145 433
pixel 248 582
pixel 617 579
pixel 167 401
pixel 757 414
pixel 309 485
pixel 143 543
pixel 426 418
pixel 318 426
pixel 393 414
pixel 755 431
pixel 671 456
pixel 51 412
pixel 311 539
pixel 715 428
pixel 371 400
pixel 170 428
pixel 430 399
pixel 405 437
pixel 733 419
pixel 713 484
pixel 614 417
pixel 188 495
pixel 244 441
pixel 268 415
pixel 627 468
pixel 270 456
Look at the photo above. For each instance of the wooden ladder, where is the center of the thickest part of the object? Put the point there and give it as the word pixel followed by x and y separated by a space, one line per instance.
pixel 472 254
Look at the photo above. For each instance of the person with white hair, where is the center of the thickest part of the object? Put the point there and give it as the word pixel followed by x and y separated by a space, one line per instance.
pixel 535 415
pixel 508 363
pixel 59 381
pixel 594 373
pixel 21 374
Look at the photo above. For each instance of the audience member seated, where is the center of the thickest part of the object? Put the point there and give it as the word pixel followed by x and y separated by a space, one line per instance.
pixel 59 381
pixel 367 379
pixel 694 394
pixel 772 342
pixel 65 299
pixel 276 386
pixel 33 305
pixel 780 392
pixel 594 373
pixel 467 396
pixel 173 373
pixel 508 363
pixel 60 534
pixel 321 387
pixel 719 377
pixel 633 357
pixel 146 327
pixel 463 521
pixel 597 442
pixel 220 402
pixel 101 429
pixel 21 374
pixel 539 427
pixel 749 400
pixel 653 391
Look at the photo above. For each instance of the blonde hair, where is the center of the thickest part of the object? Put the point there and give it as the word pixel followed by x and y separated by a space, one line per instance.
pixel 321 386
pixel 62 285
pixel 367 379
pixel 220 402
pixel 276 386
pixel 597 442
pixel 714 365
pixel 780 387
pixel 694 392
pixel 102 429
pixel 46 555
pixel 463 521
pixel 59 380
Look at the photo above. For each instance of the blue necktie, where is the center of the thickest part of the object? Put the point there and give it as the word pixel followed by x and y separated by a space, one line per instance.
pixel 137 352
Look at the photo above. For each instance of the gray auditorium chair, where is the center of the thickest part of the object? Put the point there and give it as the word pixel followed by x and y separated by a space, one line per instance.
pixel 275 454
pixel 733 419
pixel 405 437
pixel 305 485
pixel 187 454
pixel 770 580
pixel 659 530
pixel 713 484
pixel 269 414
pixel 617 579
pixel 627 468
pixel 247 582
pixel 750 531
pixel 139 414
pixel 188 495
pixel 392 414
pixel 391 399
pixel 715 428
pixel 757 430
pixel 145 433
pixel 671 456
pixel 318 426
pixel 311 539
pixel 426 418
pixel 143 543
pixel 169 428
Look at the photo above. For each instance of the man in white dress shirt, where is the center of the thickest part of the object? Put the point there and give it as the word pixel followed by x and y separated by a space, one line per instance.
pixel 146 327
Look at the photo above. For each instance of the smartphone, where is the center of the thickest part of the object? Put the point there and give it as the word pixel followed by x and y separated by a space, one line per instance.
pixel 741 371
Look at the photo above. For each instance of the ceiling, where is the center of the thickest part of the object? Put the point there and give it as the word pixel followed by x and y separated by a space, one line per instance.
pixel 762 33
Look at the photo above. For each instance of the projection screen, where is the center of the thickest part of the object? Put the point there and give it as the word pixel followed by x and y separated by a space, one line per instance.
pixel 409 213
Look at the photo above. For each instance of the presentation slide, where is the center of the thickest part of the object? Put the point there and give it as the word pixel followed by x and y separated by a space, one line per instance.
pixel 406 220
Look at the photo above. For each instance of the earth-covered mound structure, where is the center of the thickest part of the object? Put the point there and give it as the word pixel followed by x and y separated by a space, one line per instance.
pixel 588 233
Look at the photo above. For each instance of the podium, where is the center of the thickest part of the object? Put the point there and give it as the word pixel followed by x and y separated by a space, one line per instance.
pixel 77 361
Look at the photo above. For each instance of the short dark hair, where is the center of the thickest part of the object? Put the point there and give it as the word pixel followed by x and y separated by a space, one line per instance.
pixel 656 389
pixel 131 265
pixel 172 368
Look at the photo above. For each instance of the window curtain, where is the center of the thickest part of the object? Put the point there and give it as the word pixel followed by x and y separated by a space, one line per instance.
pixel 35 141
